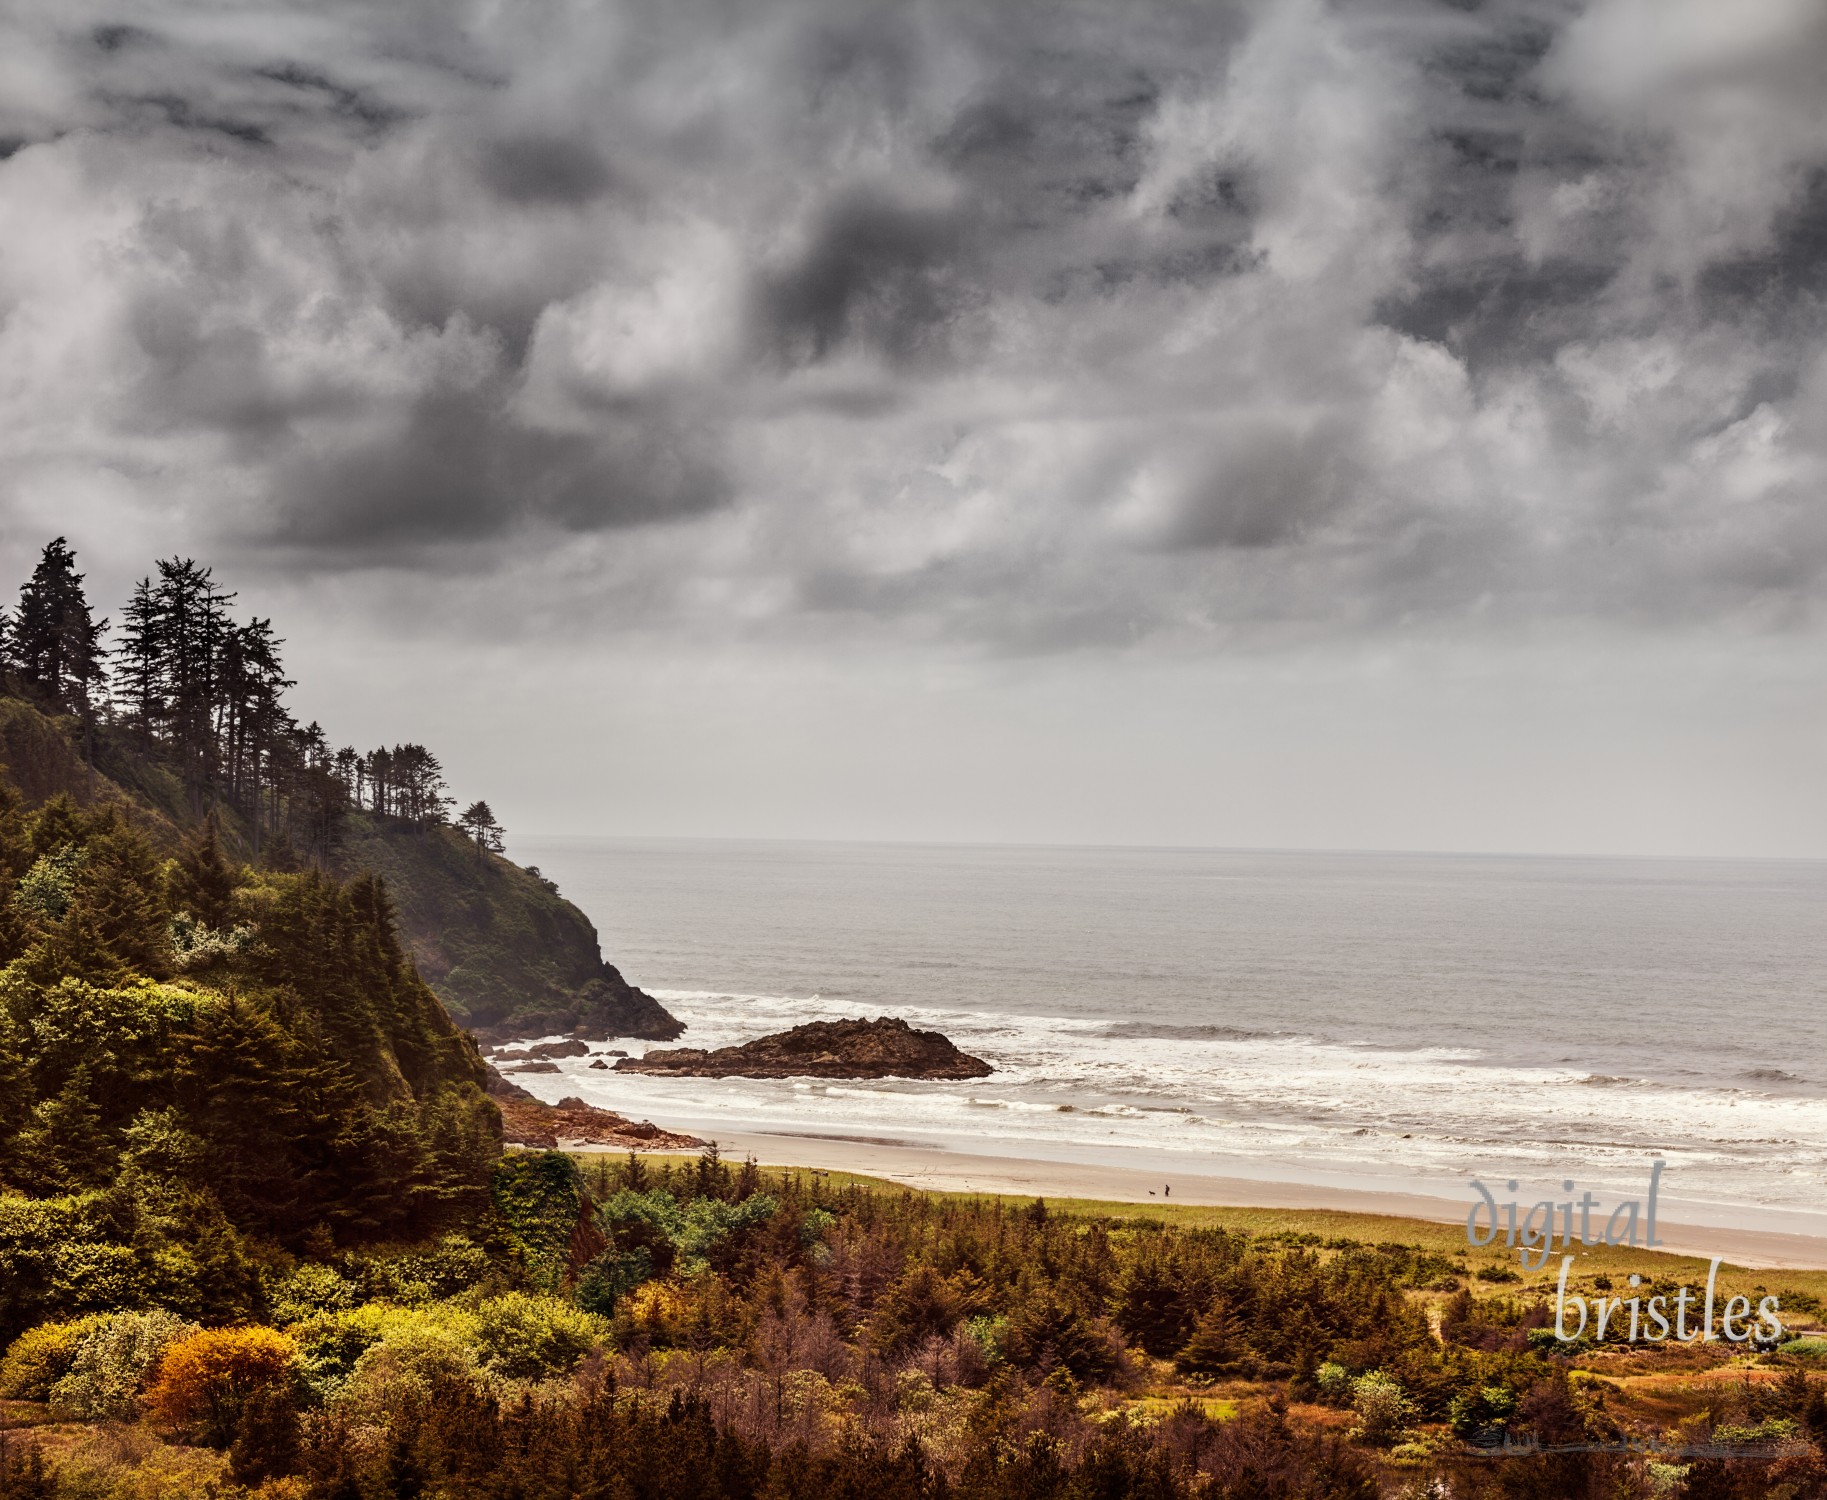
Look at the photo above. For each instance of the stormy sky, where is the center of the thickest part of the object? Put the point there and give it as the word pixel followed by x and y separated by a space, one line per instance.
pixel 1394 423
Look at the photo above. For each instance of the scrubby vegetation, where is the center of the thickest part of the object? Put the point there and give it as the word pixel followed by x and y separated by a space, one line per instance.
pixel 686 1328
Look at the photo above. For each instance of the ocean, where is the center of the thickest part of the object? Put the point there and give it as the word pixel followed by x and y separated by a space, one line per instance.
pixel 1369 1020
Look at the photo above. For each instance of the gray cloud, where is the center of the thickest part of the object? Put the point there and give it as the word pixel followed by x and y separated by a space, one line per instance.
pixel 544 169
pixel 1035 328
pixel 876 274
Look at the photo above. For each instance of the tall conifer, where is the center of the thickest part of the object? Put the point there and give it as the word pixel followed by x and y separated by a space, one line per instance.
pixel 54 642
pixel 202 882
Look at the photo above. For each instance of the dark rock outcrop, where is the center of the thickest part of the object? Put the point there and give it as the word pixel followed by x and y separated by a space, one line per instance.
pixel 573 1048
pixel 500 1088
pixel 882 1048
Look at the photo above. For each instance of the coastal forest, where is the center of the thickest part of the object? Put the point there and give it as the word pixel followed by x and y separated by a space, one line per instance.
pixel 260 1236
pixel 180 708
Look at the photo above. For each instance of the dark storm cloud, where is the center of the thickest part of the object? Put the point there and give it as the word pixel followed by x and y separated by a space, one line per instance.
pixel 1035 326
pixel 879 275
pixel 544 169
pixel 456 471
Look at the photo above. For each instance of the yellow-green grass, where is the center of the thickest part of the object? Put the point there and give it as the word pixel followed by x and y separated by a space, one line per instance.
pixel 1154 1408
pixel 1615 1262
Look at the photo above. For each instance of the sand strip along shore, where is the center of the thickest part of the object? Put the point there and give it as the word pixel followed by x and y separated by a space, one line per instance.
pixel 966 1172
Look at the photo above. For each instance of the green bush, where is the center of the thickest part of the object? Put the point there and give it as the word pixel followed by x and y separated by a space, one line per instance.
pixel 56 1261
pixel 1382 1408
pixel 308 1289
pixel 113 1362
pixel 425 1274
pixel 689 1235
pixel 46 889
pixel 526 1338
pixel 1751 1434
pixel 331 1344
pixel 419 1356
pixel 1486 1408
pixel 42 1356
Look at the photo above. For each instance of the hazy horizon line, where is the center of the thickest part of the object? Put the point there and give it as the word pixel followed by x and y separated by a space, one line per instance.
pixel 1158 848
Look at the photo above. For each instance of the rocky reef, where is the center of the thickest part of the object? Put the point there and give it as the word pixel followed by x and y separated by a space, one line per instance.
pixel 882 1048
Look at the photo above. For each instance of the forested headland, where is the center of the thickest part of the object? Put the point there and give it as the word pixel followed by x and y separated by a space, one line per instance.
pixel 258 1235
pixel 177 713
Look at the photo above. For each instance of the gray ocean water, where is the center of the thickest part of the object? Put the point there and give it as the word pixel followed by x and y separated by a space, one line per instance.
pixel 1375 1019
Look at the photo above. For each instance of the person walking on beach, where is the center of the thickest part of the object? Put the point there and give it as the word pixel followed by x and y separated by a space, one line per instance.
pixel 1167 1191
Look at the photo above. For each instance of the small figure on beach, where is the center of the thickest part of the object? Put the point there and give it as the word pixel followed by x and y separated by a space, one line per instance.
pixel 1167 1191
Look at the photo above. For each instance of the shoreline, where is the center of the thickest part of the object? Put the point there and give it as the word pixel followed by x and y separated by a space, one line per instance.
pixel 933 1169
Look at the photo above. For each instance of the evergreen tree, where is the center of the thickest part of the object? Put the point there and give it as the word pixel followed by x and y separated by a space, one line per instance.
pixel 139 669
pixel 53 642
pixel 193 627
pixel 418 784
pixel 1149 1303
pixel 16 854
pixel 121 895
pixel 63 1147
pixel 202 883
pixel 56 825
pixel 478 821
pixel 73 948
pixel 1216 1346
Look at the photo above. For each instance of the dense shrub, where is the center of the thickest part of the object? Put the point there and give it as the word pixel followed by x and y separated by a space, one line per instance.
pixel 420 1361
pixel 1382 1408
pixel 204 1380
pixel 42 1356
pixel 330 1345
pixel 111 1365
pixel 526 1337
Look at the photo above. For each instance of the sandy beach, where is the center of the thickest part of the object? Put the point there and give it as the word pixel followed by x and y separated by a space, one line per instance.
pixel 955 1171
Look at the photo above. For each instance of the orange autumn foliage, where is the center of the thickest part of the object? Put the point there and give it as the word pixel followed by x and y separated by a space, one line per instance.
pixel 203 1380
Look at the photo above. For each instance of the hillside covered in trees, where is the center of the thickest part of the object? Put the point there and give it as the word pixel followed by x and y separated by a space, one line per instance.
pixel 180 712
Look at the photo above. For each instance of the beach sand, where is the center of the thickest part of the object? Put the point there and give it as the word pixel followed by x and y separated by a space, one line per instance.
pixel 955 1171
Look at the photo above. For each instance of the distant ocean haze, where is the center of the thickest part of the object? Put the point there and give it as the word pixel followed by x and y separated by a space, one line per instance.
pixel 1407 1021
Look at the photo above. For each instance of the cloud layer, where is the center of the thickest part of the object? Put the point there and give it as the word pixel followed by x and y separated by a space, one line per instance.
pixel 1028 327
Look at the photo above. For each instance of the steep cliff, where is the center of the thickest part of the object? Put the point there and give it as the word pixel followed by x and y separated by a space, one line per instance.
pixel 507 954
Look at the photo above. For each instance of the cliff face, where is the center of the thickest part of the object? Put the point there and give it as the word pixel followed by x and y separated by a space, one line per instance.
pixel 507 954
pixel 501 948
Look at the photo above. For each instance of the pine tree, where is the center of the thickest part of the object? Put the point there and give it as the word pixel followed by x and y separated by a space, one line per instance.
pixel 63 1146
pixel 478 822
pixel 1149 1304
pixel 120 895
pixel 419 783
pixel 55 825
pixel 139 670
pixel 53 642
pixel 1216 1346
pixel 16 854
pixel 202 881
pixel 193 629
pixel 73 948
